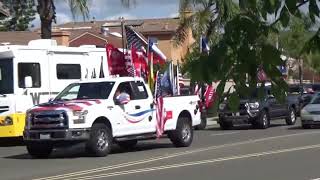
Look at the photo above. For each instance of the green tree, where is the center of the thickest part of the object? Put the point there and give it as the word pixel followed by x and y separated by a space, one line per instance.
pixel 245 48
pixel 47 12
pixel 22 12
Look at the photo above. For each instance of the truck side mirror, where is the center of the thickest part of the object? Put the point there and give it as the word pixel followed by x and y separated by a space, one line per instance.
pixel 28 82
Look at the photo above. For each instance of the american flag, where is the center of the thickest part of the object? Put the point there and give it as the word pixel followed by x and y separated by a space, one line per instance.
pixel 138 41
pixel 160 112
pixel 135 40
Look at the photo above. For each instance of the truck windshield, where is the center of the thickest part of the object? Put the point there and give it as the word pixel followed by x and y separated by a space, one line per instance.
pixel 95 90
pixel 6 76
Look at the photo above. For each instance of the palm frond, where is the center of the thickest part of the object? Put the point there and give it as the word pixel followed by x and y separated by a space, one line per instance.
pixel 79 7
pixel 128 3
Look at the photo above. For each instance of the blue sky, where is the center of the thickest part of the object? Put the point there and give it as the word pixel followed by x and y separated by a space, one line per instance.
pixel 112 9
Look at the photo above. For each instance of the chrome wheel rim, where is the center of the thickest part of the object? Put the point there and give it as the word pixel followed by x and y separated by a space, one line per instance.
pixel 265 120
pixel 293 117
pixel 102 141
pixel 186 133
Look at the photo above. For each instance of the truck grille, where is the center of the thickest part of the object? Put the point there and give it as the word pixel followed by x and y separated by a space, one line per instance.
pixel 4 109
pixel 49 120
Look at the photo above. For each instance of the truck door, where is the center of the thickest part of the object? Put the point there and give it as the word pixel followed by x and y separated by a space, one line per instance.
pixel 135 114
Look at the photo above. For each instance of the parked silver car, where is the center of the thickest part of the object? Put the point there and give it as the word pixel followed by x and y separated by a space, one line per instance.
pixel 310 114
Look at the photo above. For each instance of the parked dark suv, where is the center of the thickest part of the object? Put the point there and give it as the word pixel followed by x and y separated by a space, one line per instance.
pixel 259 111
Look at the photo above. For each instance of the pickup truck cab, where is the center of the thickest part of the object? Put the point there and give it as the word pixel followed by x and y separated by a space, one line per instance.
pixel 259 112
pixel 88 111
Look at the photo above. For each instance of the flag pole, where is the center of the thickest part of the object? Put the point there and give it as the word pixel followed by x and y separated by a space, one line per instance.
pixel 122 38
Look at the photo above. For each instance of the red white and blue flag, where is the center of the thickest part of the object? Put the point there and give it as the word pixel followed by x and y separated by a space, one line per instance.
pixel 159 107
pixel 136 40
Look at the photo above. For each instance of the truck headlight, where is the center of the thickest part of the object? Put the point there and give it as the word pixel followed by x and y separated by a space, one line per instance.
pixel 304 112
pixel 79 116
pixel 254 105
pixel 28 119
pixel 222 106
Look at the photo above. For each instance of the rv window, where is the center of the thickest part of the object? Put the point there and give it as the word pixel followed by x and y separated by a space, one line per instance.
pixel 29 69
pixel 68 71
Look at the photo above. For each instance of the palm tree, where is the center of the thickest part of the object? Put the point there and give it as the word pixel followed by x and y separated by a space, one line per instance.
pixel 47 12
pixel 207 17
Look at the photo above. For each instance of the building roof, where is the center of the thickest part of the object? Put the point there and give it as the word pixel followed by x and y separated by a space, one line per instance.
pixel 18 37
pixel 142 25
pixel 78 29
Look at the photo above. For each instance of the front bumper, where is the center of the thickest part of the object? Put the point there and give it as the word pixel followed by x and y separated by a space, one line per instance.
pixel 57 135
pixel 244 117
pixel 310 119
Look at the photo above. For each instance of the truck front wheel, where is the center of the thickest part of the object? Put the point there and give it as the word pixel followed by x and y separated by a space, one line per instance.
pixel 291 119
pixel 183 135
pixel 263 121
pixel 39 149
pixel 100 140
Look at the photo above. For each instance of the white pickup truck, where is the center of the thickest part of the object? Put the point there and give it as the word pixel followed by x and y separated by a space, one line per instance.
pixel 87 111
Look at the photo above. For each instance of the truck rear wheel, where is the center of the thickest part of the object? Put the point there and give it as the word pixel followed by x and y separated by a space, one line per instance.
pixel 183 135
pixel 39 149
pixel 291 119
pixel 128 145
pixel 100 140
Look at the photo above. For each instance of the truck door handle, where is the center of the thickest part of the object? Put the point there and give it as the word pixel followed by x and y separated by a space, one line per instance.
pixel 137 107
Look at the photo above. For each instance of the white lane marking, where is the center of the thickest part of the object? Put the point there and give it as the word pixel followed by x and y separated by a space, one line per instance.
pixel 193 163
pixel 221 134
pixel 315 179
pixel 152 159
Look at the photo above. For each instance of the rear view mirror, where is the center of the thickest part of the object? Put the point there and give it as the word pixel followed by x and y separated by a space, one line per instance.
pixel 28 82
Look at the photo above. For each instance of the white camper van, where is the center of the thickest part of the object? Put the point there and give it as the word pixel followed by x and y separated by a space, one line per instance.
pixel 33 74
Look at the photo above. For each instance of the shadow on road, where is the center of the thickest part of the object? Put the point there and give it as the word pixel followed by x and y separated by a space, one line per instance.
pixel 77 151
pixel 242 127
pixel 9 142
pixel 300 128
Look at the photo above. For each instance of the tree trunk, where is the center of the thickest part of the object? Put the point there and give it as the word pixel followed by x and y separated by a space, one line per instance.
pixel 46 29
pixel 46 10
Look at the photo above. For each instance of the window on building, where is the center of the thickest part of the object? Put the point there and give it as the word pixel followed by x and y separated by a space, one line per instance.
pixel 29 69
pixel 68 71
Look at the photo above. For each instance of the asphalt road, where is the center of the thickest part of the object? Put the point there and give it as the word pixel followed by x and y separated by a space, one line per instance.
pixel 280 152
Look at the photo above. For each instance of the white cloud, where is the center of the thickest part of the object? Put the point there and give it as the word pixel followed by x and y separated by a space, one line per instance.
pixel 173 15
pixel 63 18
pixel 116 17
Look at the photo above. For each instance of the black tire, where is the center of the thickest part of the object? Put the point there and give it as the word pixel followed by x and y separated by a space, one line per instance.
pixel 263 121
pixel 202 125
pixel 292 117
pixel 128 145
pixel 39 149
pixel 225 125
pixel 183 135
pixel 100 140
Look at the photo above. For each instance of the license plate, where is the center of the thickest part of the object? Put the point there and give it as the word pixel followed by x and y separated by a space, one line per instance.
pixel 44 136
